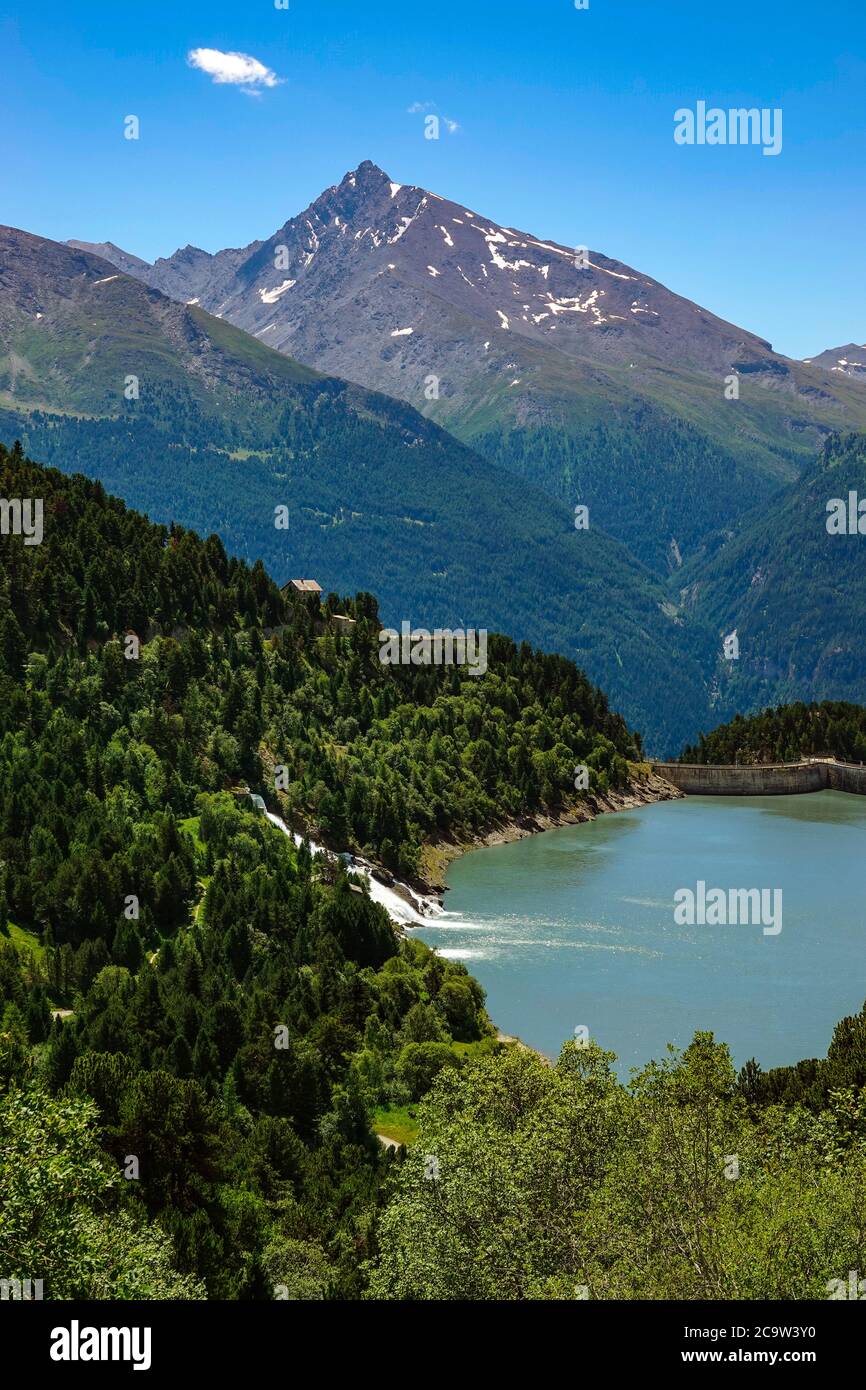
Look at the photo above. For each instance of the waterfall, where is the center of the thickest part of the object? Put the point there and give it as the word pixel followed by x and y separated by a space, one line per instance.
pixel 405 907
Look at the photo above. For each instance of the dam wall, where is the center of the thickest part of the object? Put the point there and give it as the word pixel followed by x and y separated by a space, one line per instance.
pixel 847 777
pixel 765 779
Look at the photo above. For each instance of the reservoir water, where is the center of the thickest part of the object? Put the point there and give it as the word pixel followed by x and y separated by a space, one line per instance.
pixel 575 927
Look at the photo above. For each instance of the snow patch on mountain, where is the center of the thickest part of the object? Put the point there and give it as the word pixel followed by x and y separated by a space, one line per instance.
pixel 615 273
pixel 271 296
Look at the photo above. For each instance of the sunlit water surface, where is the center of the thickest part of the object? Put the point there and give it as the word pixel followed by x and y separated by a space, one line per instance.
pixel 575 927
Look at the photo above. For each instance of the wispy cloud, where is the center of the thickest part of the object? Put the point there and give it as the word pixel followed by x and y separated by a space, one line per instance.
pixel 236 69
pixel 419 107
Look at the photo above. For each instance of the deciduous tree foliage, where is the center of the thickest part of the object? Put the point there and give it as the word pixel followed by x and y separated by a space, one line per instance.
pixel 560 1182
pixel 58 1222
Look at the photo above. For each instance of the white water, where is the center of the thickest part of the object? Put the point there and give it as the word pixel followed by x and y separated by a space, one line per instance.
pixel 416 913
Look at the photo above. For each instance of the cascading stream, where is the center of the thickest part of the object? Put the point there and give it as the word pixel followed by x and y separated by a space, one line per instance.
pixel 398 907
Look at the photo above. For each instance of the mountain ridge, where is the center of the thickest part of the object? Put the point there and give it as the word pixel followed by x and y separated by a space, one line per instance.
pixel 540 365
pixel 224 431
pixel 850 359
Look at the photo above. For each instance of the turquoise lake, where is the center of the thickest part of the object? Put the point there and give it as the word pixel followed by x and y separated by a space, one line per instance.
pixel 575 927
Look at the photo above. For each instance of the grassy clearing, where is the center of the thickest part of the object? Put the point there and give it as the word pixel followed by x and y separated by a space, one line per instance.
pixel 191 826
pixel 26 940
pixel 396 1122
pixel 482 1048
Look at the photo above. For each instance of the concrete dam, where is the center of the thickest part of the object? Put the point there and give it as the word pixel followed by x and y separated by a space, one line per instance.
pixel 765 779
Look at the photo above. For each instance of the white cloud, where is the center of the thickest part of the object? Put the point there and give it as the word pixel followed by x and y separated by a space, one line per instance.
pixel 418 107
pixel 238 69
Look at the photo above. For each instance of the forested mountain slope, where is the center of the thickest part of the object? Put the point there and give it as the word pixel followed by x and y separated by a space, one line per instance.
pixel 791 582
pixel 785 734
pixel 571 369
pixel 238 1018
pixel 238 1012
pixel 188 418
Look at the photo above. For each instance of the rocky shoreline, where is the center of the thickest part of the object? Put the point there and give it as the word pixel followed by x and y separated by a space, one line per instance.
pixel 645 787
pixel 411 902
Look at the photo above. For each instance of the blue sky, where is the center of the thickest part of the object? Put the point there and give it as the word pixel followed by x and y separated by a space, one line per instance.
pixel 565 129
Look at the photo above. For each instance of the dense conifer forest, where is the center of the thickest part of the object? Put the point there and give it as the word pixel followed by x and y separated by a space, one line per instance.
pixel 787 733
pixel 204 1030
